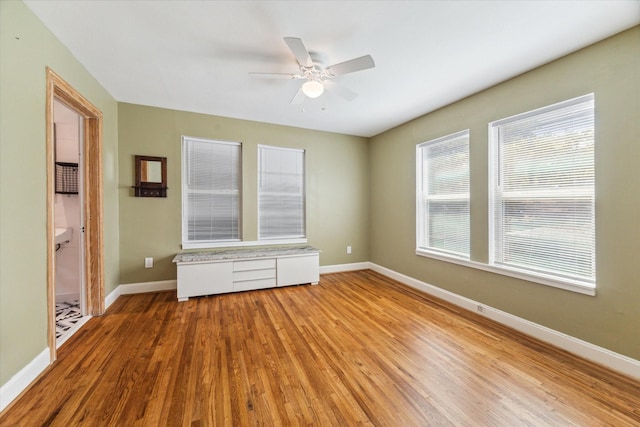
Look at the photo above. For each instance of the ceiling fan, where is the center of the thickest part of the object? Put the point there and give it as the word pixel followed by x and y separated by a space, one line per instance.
pixel 314 69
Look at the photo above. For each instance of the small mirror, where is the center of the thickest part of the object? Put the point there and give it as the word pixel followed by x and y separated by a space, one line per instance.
pixel 151 176
pixel 151 171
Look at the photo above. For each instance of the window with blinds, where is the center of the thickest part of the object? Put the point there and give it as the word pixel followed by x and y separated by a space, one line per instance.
pixel 443 195
pixel 542 218
pixel 281 195
pixel 211 183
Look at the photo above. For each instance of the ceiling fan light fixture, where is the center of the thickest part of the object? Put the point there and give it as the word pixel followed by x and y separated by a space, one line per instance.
pixel 313 88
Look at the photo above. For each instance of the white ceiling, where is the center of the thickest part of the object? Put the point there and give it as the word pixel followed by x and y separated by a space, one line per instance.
pixel 196 55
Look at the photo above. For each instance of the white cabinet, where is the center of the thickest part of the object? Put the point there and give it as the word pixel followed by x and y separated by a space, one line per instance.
pixel 298 269
pixel 217 272
pixel 204 279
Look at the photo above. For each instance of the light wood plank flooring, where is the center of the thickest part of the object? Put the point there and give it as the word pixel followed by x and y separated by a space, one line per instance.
pixel 358 349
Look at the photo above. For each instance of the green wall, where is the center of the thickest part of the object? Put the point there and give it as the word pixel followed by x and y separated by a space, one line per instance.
pixel 611 319
pixel 26 48
pixel 337 181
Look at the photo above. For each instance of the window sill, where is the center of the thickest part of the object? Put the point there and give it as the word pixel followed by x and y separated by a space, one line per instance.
pixel 238 243
pixel 568 285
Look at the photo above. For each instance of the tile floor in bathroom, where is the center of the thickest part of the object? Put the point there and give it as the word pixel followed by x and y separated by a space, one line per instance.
pixel 67 315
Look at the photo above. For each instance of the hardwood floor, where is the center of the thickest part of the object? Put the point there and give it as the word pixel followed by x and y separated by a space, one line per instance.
pixel 358 349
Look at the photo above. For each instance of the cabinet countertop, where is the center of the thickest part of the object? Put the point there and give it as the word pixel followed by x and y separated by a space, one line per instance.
pixel 232 254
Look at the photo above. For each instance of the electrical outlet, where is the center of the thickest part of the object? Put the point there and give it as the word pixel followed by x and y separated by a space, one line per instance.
pixel 349 249
pixel 148 262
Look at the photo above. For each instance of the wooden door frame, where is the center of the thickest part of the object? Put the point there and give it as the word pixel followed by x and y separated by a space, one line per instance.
pixel 58 89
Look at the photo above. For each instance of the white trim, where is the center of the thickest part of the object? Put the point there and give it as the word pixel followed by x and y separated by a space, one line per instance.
pixel 615 361
pixel 141 288
pixel 340 268
pixel 275 147
pixel 240 243
pixel 566 284
pixel 589 97
pixel 110 299
pixel 20 381
pixel 218 141
pixel 443 256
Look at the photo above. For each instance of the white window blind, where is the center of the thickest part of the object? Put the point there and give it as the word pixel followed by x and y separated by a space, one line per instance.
pixel 443 195
pixel 281 195
pixel 211 182
pixel 542 179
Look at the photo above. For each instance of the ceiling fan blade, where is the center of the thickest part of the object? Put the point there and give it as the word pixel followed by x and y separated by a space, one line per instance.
pixel 352 65
pixel 299 51
pixel 287 76
pixel 298 97
pixel 341 91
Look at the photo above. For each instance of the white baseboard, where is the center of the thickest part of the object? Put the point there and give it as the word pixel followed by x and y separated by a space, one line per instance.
pixel 113 295
pixel 140 288
pixel 617 362
pixel 340 268
pixel 20 381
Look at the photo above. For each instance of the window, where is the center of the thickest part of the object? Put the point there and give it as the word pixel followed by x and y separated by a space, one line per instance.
pixel 211 182
pixel 281 196
pixel 443 195
pixel 542 219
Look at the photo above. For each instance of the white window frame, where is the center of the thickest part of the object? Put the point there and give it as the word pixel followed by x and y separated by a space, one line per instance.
pixel 424 245
pixel 496 195
pixel 294 238
pixel 198 244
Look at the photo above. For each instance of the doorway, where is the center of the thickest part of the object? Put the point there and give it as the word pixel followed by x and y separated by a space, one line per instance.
pixel 71 311
pixel 90 232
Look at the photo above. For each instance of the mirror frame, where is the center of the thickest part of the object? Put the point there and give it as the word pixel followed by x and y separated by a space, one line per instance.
pixel 150 189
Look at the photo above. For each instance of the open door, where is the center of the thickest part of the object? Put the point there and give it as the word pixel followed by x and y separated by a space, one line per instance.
pixel 57 88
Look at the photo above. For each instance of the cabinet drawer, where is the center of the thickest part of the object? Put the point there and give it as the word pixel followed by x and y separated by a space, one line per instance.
pixel 268 273
pixel 254 264
pixel 248 285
